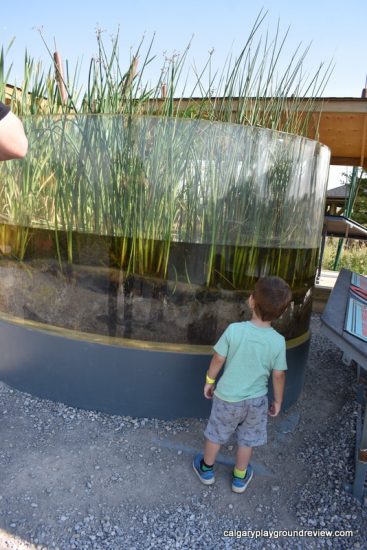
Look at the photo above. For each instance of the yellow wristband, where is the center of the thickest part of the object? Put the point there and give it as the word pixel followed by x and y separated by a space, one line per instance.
pixel 209 380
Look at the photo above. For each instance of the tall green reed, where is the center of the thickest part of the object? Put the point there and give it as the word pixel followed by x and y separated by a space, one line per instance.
pixel 88 175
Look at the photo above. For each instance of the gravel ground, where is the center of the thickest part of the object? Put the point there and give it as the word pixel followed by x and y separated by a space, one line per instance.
pixel 73 479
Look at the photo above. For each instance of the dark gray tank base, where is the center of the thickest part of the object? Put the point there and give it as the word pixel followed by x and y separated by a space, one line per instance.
pixel 116 380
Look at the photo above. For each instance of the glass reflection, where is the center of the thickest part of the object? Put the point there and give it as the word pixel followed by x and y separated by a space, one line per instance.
pixel 155 228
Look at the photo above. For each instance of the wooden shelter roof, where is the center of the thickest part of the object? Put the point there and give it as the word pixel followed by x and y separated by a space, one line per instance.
pixel 339 123
pixel 343 128
pixel 340 226
pixel 340 192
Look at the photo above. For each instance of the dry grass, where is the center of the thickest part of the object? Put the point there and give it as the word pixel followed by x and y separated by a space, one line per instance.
pixel 354 256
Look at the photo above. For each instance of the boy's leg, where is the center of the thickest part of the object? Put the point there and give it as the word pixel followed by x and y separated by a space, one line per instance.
pixel 243 457
pixel 242 473
pixel 210 452
pixel 203 464
pixel 222 423
pixel 251 432
pixel 214 436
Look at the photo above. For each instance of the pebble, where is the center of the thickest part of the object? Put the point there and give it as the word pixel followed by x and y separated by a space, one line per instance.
pixel 319 500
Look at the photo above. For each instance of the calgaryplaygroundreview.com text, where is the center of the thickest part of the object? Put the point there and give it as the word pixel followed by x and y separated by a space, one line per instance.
pixel 275 534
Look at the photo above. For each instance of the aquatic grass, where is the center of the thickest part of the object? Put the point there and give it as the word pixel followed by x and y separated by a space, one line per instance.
pixel 135 202
pixel 151 182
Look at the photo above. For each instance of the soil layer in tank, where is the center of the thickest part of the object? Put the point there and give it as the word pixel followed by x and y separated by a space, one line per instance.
pixel 160 291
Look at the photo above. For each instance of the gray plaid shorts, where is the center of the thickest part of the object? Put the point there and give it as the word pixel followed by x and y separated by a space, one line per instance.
pixel 247 418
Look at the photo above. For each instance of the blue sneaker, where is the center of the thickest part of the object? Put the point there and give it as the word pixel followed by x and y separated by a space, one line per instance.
pixel 240 485
pixel 207 477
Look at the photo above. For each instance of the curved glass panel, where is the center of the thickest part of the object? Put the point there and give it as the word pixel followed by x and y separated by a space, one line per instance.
pixel 156 228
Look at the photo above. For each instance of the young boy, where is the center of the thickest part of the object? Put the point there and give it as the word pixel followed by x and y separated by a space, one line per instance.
pixel 251 351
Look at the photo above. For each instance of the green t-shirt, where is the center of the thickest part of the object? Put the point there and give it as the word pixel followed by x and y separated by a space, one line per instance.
pixel 251 354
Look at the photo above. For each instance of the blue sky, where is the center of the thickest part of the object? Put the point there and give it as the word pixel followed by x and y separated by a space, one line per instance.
pixel 335 28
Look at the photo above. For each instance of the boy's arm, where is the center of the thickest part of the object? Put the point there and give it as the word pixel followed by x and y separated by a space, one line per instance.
pixel 278 377
pixel 216 364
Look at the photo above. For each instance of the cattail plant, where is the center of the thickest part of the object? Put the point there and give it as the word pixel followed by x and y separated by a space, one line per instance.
pixel 151 167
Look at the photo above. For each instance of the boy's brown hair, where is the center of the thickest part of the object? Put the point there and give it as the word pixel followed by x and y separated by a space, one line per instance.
pixel 272 296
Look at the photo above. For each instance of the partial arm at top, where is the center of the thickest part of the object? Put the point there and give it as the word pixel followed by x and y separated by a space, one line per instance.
pixel 13 141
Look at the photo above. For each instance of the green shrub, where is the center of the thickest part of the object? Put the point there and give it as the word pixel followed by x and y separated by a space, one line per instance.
pixel 354 255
